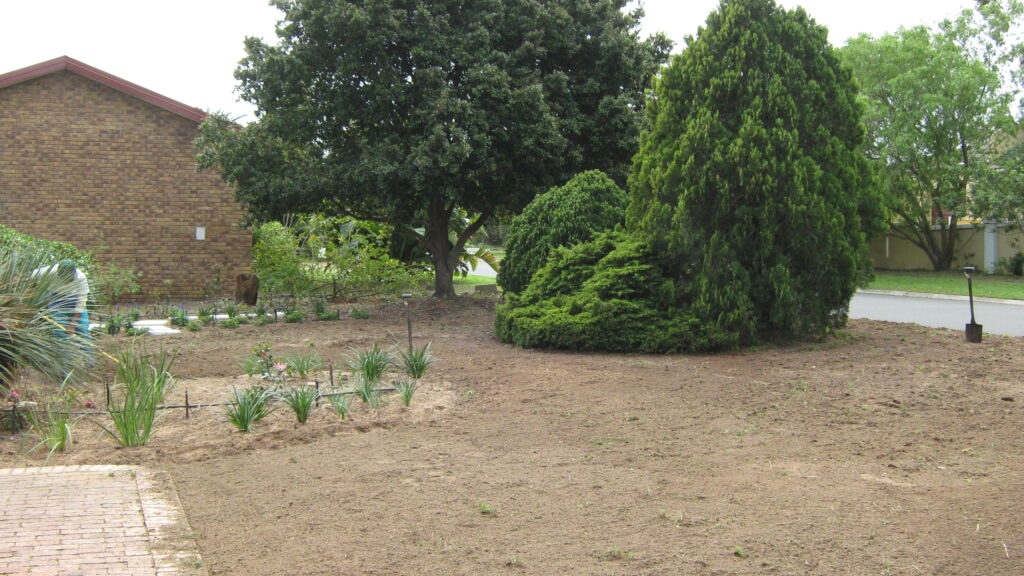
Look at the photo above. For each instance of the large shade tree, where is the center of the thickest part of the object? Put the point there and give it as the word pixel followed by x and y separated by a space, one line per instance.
pixel 938 116
pixel 413 112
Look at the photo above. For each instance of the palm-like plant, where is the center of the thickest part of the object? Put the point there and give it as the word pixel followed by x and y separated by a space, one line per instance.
pixel 29 335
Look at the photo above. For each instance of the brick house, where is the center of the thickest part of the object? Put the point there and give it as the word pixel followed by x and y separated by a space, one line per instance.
pixel 94 160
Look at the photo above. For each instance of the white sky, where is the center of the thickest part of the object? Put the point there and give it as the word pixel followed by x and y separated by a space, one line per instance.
pixel 188 49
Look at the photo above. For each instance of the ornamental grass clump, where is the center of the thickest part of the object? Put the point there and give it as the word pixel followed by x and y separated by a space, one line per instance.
pixel 145 380
pixel 303 365
pixel 341 404
pixel 372 364
pixel 417 360
pixel 406 388
pixel 301 400
pixel 55 424
pixel 250 406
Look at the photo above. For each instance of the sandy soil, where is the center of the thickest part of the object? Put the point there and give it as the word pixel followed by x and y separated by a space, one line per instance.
pixel 890 450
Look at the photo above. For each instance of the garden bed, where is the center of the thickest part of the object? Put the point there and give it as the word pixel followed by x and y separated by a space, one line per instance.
pixel 891 449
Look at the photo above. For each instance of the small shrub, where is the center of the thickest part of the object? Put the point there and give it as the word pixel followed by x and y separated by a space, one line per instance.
pixel 250 406
pixel 406 388
pixel 357 313
pixel 302 365
pixel 417 361
pixel 261 320
pixel 371 365
pixel 329 315
pixel 133 331
pixel 367 392
pixel 145 381
pixel 295 315
pixel 113 324
pixel 178 316
pixel 300 399
pixel 194 325
pixel 341 404
pixel 54 427
pixel 133 316
pixel 231 310
pixel 229 323
pixel 207 314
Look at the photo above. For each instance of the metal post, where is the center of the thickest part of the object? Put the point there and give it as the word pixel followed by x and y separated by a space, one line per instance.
pixel 972 332
pixel 408 317
pixel 186 405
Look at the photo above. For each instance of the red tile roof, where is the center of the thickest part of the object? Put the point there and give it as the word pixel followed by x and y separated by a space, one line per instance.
pixel 71 65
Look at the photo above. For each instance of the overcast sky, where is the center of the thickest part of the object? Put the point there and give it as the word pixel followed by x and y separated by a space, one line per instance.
pixel 188 49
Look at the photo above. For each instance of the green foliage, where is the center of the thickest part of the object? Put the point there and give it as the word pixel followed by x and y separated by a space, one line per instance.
pixel 406 389
pixel 366 390
pixel 748 208
pixel 178 316
pixel 194 325
pixel 230 323
pixel 417 361
pixel 145 380
pixel 54 425
pixel 935 108
pixel 341 404
pixel 300 399
pixel 45 250
pixel 277 262
pixel 750 186
pixel 206 314
pixel 295 315
pixel 464 106
pixel 303 365
pixel 110 282
pixel 371 365
pixel 28 337
pixel 357 313
pixel 114 324
pixel 606 294
pixel 589 203
pixel 250 406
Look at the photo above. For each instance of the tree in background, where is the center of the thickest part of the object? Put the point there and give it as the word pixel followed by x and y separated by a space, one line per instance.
pixel 750 208
pixel 410 111
pixel 589 203
pixel 938 116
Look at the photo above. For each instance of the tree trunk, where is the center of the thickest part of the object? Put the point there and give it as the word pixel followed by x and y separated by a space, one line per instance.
pixel 438 216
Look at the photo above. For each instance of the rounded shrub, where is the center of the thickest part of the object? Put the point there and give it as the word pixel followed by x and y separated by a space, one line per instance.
pixel 589 203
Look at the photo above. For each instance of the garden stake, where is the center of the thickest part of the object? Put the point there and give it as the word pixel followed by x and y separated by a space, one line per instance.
pixel 107 384
pixel 317 382
pixel 408 317
pixel 186 404
pixel 330 368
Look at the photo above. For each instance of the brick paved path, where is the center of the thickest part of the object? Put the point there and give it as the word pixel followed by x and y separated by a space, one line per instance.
pixel 93 521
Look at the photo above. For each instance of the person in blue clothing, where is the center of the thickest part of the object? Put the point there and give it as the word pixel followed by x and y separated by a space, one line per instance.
pixel 68 305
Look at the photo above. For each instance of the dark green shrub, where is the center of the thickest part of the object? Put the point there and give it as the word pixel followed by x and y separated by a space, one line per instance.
pixel 45 250
pixel 295 315
pixel 194 325
pixel 230 323
pixel 589 203
pixel 607 294
pixel 1017 264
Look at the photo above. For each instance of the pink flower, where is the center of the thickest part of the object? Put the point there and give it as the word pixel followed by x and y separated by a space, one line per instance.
pixel 280 366
pixel 15 396
pixel 89 404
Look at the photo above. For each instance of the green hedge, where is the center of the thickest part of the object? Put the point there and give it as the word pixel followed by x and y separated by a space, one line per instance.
pixel 13 241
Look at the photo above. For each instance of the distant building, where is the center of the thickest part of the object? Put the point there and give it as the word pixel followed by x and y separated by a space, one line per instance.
pixel 109 166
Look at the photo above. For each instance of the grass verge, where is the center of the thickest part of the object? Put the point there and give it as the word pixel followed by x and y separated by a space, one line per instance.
pixel 985 285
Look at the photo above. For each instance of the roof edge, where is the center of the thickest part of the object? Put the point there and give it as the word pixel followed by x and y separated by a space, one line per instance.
pixel 66 63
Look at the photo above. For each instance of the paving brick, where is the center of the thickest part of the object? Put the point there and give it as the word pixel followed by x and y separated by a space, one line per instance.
pixel 131 524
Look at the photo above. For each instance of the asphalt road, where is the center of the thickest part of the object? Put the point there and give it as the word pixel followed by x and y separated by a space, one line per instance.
pixel 997 318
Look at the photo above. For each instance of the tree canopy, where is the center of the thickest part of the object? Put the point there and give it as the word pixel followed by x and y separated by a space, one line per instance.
pixel 751 202
pixel 935 113
pixel 413 111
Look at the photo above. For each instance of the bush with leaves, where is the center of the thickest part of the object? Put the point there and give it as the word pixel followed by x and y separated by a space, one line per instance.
pixel 606 294
pixel 589 203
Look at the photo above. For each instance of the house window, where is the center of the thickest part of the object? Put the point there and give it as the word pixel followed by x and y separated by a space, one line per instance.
pixel 200 232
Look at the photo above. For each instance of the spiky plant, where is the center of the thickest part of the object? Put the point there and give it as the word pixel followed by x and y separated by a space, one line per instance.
pixel 30 337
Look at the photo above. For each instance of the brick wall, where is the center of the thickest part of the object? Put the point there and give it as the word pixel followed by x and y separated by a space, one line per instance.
pixel 83 163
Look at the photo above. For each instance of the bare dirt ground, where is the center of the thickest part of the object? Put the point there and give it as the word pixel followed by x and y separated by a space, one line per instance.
pixel 892 449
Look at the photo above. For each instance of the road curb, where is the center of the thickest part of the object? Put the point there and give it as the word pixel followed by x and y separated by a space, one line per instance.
pixel 938 296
